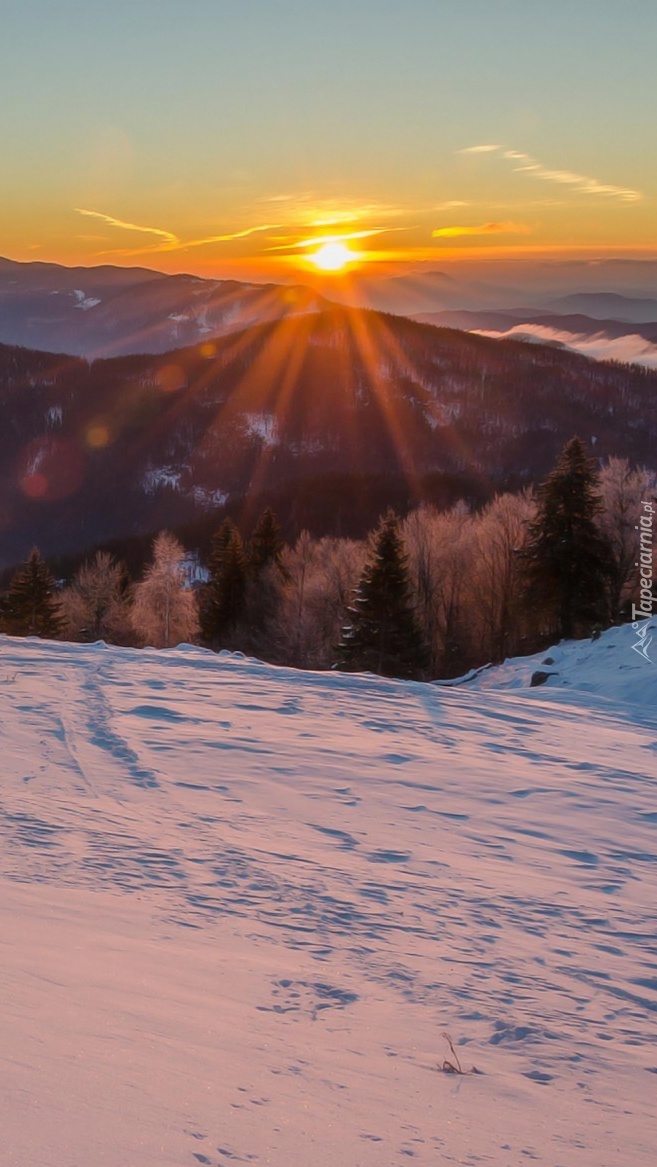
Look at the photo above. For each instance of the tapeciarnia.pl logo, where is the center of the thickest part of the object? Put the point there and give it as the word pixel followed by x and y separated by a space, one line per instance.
pixel 642 614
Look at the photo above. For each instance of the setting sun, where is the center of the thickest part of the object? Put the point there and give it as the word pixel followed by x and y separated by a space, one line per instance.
pixel 333 256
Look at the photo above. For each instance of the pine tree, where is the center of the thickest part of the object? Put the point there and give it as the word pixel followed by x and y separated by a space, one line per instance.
pixel 31 606
pixel 384 636
pixel 220 541
pixel 568 561
pixel 225 596
pixel 267 543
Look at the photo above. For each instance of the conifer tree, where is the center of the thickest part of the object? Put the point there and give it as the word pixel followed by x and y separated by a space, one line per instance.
pixel 568 561
pixel 267 543
pixel 225 595
pixel 384 636
pixel 32 608
pixel 220 541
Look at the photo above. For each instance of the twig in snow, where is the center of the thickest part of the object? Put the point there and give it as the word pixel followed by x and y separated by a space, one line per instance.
pixel 455 1066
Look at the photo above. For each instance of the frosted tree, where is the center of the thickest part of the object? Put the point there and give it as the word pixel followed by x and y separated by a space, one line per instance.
pixel 95 605
pixel 440 547
pixel 165 611
pixel 496 575
pixel 424 552
pixel 623 490
pixel 316 582
pixel 299 563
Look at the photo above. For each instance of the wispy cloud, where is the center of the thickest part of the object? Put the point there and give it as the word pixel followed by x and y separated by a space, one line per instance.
pixel 580 183
pixel 311 209
pixel 318 240
pixel 168 240
pixel 123 225
pixel 233 235
pixel 487 149
pixel 451 205
pixel 481 229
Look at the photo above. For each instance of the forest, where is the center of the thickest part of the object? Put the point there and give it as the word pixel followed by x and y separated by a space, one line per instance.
pixel 429 595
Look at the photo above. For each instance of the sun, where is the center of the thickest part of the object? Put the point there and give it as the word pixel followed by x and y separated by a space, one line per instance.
pixel 333 256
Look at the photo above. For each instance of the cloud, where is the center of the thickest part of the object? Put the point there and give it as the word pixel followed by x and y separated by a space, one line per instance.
pixel 169 241
pixel 309 209
pixel 229 238
pixel 479 149
pixel 317 240
pixel 481 229
pixel 125 226
pixel 580 183
pixel 450 205
pixel 631 348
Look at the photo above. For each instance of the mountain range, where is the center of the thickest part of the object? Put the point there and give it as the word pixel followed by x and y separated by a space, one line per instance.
pixel 328 416
pixel 111 311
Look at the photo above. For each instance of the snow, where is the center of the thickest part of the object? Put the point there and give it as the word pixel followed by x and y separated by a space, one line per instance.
pixel 161 477
pixel 54 416
pixel 85 302
pixel 240 905
pixel 263 426
pixel 205 497
pixel 611 667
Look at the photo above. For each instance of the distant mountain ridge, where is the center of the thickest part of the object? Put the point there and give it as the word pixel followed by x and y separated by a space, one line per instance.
pixel 111 311
pixel 108 311
pixel 599 339
pixel 605 305
pixel 501 321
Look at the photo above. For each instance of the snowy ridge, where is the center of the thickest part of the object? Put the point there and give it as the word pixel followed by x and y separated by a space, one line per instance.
pixel 240 905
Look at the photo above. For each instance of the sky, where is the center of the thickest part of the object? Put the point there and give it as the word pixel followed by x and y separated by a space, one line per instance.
pixel 230 137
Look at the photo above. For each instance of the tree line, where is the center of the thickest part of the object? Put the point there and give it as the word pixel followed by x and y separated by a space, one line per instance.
pixel 430 595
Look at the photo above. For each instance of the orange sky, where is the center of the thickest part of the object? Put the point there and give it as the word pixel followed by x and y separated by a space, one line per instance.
pixel 227 139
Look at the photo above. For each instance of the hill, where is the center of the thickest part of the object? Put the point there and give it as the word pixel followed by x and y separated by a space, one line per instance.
pixel 330 417
pixel 111 311
pixel 240 906
pixel 599 339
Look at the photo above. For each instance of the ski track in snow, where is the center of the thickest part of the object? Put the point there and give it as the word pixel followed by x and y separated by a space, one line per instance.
pixel 327 873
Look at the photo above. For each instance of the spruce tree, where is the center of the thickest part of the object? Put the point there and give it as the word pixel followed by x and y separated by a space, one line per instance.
pixel 384 636
pixel 225 595
pixel 220 541
pixel 568 561
pixel 267 543
pixel 31 605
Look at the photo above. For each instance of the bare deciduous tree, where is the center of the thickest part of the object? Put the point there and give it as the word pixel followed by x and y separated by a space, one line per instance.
pixel 497 579
pixel 95 606
pixel 165 611
pixel 316 586
pixel 623 490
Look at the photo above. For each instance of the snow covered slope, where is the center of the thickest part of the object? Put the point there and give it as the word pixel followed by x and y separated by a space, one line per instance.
pixel 240 905
pixel 619 667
